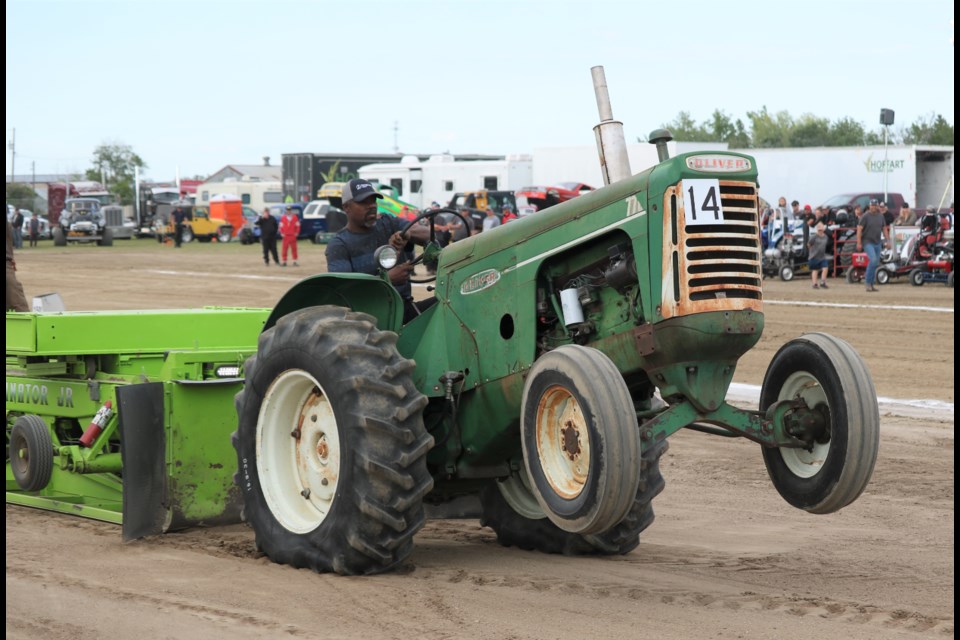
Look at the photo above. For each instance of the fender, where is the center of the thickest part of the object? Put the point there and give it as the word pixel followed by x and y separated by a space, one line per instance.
pixel 356 291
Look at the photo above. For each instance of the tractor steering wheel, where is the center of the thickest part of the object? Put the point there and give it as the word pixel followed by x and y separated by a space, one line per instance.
pixel 431 251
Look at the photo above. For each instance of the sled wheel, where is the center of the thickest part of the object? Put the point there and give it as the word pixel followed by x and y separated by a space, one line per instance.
pixel 31 453
pixel 832 378
pixel 224 234
pixel 916 277
pixel 331 444
pixel 59 237
pixel 883 276
pixel 580 439
pixel 187 235
pixel 533 531
pixel 106 238
pixel 786 273
pixel 950 280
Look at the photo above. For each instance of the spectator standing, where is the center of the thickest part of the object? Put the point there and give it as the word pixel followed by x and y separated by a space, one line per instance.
pixel 491 221
pixel 817 248
pixel 289 230
pixel 508 213
pixel 872 234
pixel 17 224
pixel 268 236
pixel 179 220
pixel 795 210
pixel 907 216
pixel 34 226
pixel 16 301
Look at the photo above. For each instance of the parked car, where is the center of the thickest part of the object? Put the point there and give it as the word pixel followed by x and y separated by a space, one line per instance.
pixel 542 196
pixel 45 232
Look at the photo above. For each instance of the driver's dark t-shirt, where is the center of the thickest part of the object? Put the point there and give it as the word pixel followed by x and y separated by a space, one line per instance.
pixel 350 252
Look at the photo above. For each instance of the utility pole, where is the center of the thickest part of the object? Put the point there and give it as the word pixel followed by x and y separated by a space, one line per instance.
pixel 13 157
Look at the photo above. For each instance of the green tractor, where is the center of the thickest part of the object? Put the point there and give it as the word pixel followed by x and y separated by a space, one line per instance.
pixel 538 393
pixel 534 384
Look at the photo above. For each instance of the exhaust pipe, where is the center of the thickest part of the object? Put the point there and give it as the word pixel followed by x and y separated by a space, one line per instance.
pixel 611 144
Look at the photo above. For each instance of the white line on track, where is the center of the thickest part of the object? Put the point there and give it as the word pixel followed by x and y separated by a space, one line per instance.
pixel 846 305
pixel 895 406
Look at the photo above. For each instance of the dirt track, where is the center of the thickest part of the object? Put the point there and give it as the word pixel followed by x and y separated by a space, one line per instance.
pixel 726 558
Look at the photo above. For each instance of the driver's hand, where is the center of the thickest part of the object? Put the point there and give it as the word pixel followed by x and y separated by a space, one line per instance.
pixel 397 241
pixel 400 273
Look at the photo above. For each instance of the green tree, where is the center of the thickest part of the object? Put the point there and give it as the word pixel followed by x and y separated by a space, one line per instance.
pixel 683 128
pixel 21 195
pixel 930 129
pixel 114 163
pixel 770 131
pixel 846 132
pixel 810 131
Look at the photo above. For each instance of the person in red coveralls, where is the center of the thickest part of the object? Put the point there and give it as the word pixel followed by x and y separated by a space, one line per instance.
pixel 289 230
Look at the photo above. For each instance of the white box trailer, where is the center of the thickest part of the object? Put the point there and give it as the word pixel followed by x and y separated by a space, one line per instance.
pixel 257 194
pixel 922 174
pixel 441 176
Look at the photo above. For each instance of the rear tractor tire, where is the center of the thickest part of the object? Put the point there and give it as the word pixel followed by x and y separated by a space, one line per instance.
pixel 580 439
pixel 831 377
pixel 31 453
pixel 511 510
pixel 331 444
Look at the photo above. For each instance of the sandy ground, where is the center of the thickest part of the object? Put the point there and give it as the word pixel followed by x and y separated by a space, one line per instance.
pixel 726 558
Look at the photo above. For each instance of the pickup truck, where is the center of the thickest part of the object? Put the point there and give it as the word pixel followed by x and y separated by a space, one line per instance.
pixel 849 200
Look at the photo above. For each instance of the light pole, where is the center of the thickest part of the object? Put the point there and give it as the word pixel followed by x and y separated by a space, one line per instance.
pixel 886 119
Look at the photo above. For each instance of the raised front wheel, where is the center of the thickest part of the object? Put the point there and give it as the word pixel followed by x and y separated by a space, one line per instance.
pixel 580 439
pixel 830 377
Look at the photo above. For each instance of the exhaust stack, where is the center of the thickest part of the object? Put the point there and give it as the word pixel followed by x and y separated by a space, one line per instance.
pixel 611 144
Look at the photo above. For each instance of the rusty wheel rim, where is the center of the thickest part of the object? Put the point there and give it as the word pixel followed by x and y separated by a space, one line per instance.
pixel 563 442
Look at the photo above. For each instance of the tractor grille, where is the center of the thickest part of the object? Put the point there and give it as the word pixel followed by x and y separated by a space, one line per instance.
pixel 712 267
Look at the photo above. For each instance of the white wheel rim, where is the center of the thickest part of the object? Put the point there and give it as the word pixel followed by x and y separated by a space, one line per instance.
pixel 298 468
pixel 803 463
pixel 563 442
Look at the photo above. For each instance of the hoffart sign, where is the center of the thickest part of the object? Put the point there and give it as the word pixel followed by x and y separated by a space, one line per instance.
pixel 881 166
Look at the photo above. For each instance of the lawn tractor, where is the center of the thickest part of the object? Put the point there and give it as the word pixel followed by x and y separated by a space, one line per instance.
pixel 539 392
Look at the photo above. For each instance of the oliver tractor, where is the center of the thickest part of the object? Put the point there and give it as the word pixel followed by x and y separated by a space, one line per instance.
pixel 541 389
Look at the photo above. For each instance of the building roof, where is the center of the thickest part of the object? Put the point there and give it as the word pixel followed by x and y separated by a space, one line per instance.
pixel 251 171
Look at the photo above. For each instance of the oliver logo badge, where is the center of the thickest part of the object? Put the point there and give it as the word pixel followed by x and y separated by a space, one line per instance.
pixel 480 281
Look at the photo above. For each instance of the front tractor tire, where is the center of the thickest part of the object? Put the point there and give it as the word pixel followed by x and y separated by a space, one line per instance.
pixel 59 237
pixel 106 238
pixel 331 444
pixel 580 438
pixel 832 379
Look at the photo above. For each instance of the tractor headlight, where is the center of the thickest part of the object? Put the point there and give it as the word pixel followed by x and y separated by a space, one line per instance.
pixel 386 257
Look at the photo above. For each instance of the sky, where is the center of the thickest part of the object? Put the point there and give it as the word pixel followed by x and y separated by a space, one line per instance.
pixel 193 85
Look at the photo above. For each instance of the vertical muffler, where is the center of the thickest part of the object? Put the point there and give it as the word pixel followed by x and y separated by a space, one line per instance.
pixel 611 144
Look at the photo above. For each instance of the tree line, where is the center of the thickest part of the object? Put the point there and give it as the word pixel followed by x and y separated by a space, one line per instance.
pixel 778 130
